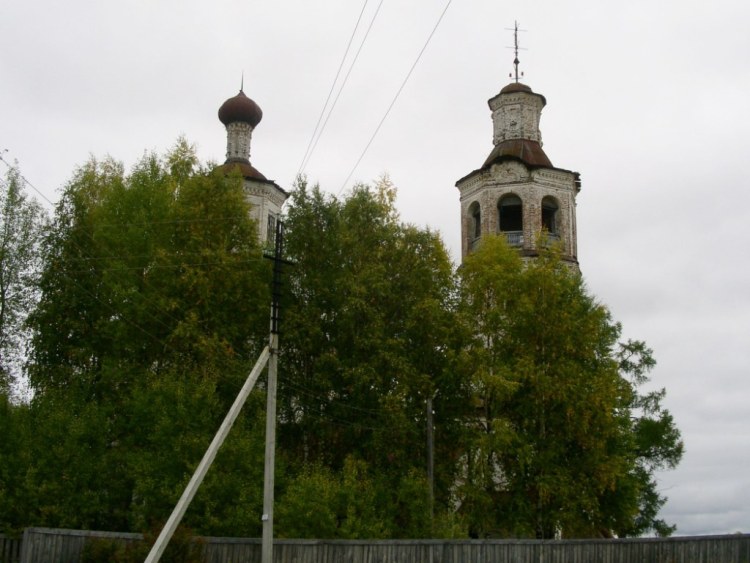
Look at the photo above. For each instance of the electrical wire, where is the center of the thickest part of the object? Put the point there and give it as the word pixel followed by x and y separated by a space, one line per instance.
pixel 346 78
pixel 398 93
pixel 383 419
pixel 333 84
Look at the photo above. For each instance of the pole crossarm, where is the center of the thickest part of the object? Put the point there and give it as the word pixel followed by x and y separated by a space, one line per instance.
pixel 187 496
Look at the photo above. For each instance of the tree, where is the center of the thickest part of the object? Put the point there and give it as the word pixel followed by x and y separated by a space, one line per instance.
pixel 562 443
pixel 14 459
pixel 21 223
pixel 153 307
pixel 365 345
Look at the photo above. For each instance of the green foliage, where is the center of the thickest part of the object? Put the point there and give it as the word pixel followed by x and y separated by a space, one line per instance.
pixel 153 307
pixel 21 223
pixel 182 548
pixel 153 269
pixel 354 503
pixel 14 459
pixel 557 443
pixel 102 550
pixel 366 341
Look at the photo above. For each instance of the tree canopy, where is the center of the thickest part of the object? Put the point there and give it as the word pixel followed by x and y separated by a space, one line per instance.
pixel 153 304
pixel 563 442
pixel 416 399
pixel 366 344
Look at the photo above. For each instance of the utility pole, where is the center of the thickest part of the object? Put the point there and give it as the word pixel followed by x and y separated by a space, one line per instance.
pixel 430 456
pixel 187 496
pixel 268 356
pixel 270 457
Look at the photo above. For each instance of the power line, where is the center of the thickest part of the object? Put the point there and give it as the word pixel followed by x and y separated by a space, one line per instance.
pixel 381 419
pixel 333 84
pixel 398 93
pixel 331 400
pixel 22 177
pixel 346 78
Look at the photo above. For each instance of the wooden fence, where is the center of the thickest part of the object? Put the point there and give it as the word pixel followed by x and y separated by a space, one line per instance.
pixel 42 545
pixel 10 549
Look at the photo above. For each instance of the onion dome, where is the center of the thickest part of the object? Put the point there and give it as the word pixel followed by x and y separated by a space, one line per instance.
pixel 240 108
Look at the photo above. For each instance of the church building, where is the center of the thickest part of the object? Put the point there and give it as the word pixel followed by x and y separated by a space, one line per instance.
pixel 517 192
pixel 240 115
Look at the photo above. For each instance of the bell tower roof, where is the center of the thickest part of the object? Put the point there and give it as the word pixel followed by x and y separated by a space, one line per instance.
pixel 515 87
pixel 528 152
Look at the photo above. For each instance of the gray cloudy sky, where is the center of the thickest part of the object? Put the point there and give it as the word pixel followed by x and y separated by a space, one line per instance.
pixel 647 99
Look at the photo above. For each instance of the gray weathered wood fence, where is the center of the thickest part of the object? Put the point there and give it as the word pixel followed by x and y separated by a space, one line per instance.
pixel 10 549
pixel 43 545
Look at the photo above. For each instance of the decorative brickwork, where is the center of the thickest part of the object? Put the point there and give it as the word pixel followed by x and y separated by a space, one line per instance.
pixel 516 116
pixel 517 191
pixel 239 135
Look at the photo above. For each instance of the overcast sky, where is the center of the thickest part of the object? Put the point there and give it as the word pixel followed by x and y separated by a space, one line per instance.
pixel 647 99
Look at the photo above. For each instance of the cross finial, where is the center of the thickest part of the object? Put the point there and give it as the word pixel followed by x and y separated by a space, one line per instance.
pixel 515 51
pixel 515 40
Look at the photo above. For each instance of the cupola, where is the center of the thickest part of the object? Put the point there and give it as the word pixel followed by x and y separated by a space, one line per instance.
pixel 517 193
pixel 240 115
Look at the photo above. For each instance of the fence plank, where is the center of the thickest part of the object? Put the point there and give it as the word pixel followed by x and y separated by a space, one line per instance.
pixel 10 549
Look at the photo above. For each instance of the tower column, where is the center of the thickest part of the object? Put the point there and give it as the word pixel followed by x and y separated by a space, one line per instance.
pixel 239 135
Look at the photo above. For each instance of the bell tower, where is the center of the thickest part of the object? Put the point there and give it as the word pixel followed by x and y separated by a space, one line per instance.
pixel 517 192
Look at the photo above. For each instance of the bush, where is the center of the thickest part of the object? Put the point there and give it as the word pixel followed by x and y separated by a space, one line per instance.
pixel 182 548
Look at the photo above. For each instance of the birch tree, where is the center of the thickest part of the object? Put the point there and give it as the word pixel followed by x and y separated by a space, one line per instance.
pixel 21 223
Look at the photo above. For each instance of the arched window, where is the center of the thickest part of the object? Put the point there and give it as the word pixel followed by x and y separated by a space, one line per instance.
pixel 475 224
pixel 550 220
pixel 510 214
pixel 271 229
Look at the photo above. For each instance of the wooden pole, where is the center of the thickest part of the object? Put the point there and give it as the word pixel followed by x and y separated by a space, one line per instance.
pixel 270 456
pixel 430 456
pixel 187 496
pixel 266 554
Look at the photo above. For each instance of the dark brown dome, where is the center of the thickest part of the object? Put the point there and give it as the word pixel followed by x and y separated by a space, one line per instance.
pixel 528 152
pixel 240 108
pixel 516 87
pixel 245 168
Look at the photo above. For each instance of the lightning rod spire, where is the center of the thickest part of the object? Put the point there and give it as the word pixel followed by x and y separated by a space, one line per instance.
pixel 516 48
pixel 515 41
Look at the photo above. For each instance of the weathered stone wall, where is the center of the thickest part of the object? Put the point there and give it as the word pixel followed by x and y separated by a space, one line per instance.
pixel 516 116
pixel 265 199
pixel 531 185
pixel 239 135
